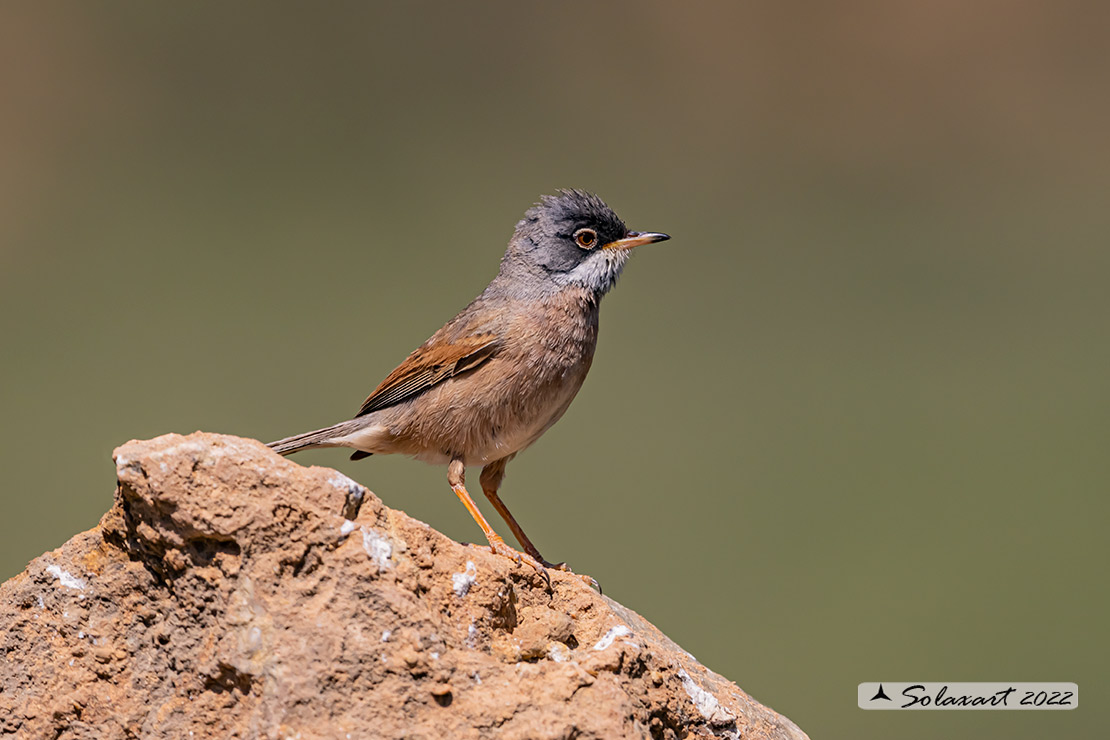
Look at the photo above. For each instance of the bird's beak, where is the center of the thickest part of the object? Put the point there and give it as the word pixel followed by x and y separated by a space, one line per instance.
pixel 635 239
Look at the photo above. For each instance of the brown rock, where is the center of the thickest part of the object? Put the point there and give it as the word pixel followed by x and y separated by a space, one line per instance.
pixel 226 595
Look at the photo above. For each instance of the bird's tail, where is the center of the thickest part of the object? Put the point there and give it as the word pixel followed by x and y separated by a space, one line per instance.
pixel 325 437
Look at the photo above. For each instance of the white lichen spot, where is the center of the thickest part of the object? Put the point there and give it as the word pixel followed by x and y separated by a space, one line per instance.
pixel 476 677
pixel 462 582
pixel 343 483
pixel 614 632
pixel 558 652
pixel 42 604
pixel 163 467
pixel 435 655
pixel 65 578
pixel 386 634
pixel 80 635
pixel 378 548
pixel 471 635
pixel 347 528
pixel 704 702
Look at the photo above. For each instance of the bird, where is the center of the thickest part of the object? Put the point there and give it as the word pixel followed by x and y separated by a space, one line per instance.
pixel 498 375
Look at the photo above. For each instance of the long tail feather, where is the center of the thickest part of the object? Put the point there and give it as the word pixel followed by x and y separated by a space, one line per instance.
pixel 319 438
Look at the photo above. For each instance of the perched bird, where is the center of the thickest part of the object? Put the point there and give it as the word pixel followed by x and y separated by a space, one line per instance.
pixel 498 375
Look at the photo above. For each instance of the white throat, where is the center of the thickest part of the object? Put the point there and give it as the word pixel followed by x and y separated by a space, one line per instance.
pixel 599 272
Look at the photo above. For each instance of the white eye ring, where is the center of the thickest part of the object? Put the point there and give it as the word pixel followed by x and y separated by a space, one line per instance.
pixel 585 238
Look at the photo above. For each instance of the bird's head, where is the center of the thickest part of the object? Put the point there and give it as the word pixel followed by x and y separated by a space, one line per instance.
pixel 572 238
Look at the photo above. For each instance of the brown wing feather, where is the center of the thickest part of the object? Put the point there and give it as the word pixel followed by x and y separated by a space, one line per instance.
pixel 432 363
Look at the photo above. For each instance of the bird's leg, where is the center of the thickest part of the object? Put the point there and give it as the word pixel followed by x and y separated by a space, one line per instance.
pixel 456 476
pixel 491 478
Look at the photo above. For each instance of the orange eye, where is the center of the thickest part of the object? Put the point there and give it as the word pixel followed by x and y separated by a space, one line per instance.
pixel 585 238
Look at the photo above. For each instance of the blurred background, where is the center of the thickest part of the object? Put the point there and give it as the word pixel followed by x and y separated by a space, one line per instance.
pixel 850 424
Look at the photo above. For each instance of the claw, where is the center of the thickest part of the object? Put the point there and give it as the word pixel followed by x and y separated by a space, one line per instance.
pixel 591 582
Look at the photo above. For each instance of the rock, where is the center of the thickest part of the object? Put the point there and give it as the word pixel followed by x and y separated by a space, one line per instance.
pixel 232 593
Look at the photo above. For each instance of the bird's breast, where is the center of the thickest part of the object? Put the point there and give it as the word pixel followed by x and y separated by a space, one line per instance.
pixel 509 401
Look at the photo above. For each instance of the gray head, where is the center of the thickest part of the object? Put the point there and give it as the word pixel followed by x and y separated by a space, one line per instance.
pixel 570 238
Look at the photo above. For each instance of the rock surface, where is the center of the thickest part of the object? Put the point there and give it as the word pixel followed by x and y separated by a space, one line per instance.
pixel 232 593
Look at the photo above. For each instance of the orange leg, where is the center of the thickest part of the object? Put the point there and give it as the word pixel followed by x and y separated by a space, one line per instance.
pixel 456 476
pixel 491 478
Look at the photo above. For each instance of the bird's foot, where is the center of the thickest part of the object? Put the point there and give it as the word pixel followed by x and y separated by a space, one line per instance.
pixel 498 546
pixel 589 581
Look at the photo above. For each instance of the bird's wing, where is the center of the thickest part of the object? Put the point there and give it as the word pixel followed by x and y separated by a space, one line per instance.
pixel 431 364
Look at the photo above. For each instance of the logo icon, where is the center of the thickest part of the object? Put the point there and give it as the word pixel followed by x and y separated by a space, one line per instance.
pixel 880 694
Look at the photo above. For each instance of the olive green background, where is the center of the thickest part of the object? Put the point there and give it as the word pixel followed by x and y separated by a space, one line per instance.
pixel 850 424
